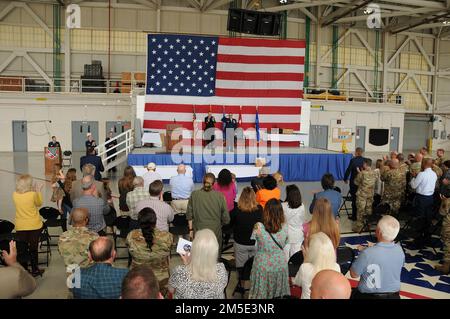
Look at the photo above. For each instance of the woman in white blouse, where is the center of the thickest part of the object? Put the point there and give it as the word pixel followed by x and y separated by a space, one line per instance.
pixel 320 255
pixel 294 212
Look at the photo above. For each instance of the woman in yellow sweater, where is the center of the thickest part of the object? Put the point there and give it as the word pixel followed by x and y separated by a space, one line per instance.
pixel 27 199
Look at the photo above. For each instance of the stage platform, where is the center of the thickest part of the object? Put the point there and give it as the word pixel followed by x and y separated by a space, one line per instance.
pixel 296 164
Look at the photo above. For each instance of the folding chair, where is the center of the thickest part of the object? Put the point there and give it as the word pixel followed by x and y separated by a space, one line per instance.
pixel 67 159
pixel 346 199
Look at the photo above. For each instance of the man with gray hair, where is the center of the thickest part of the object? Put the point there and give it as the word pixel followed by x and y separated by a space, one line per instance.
pixel 138 194
pixel 76 191
pixel 97 207
pixel 379 266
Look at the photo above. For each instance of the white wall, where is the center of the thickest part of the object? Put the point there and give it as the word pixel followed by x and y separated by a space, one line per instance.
pixel 357 114
pixel 61 110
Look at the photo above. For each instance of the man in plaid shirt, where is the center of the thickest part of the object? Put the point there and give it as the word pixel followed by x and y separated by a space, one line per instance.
pixel 101 280
pixel 136 195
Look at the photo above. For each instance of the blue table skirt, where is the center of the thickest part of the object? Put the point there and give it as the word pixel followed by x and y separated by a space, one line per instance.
pixel 294 167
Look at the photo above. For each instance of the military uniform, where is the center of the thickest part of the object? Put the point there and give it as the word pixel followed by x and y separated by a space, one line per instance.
pixel 365 181
pixel 74 245
pixel 394 188
pixel 157 257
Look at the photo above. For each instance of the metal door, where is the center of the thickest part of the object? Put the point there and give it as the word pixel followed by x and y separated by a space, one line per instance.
pixel 79 134
pixel 20 139
pixel 360 137
pixel 394 139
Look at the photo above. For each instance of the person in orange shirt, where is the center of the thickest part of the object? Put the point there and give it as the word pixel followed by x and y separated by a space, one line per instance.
pixel 27 199
pixel 269 191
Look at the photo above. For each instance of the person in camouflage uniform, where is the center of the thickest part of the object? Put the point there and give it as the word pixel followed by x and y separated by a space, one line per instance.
pixel 394 186
pixel 73 244
pixel 365 180
pixel 148 245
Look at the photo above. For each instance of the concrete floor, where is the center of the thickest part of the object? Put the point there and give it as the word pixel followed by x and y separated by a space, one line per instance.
pixel 52 284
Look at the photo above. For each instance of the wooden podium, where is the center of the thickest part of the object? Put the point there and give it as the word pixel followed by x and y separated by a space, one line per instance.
pixel 171 142
pixel 52 156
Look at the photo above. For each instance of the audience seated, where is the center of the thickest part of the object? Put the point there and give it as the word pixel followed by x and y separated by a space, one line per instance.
pixel 15 282
pixel 100 280
pixel 207 209
pixel 320 254
pixel 151 175
pixel 27 199
pixel 76 191
pixel 379 266
pixel 257 182
pixel 140 283
pixel 200 277
pixel 243 219
pixel 181 187
pixel 323 221
pixel 138 194
pixel 149 245
pixel 125 185
pixel 270 275
pixel 330 284
pixel 164 212
pixel 73 244
pixel 329 192
pixel 96 206
pixel 294 212
pixel 269 191
pixel 225 185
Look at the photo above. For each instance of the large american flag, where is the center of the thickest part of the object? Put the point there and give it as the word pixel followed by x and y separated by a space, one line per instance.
pixel 196 74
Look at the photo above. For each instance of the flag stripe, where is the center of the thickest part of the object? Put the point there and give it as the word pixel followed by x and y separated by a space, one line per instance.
pixel 249 76
pixel 271 43
pixel 154 124
pixel 225 101
pixel 242 67
pixel 216 110
pixel 258 85
pixel 260 59
pixel 259 93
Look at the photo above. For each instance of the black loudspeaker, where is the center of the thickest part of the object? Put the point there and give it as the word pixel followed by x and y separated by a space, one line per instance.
pixel 378 137
pixel 250 22
pixel 269 24
pixel 234 20
pixel 254 22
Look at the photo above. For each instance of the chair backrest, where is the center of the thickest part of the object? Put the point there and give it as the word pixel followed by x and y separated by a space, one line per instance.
pixel 294 263
pixel 6 227
pixel 345 257
pixel 49 213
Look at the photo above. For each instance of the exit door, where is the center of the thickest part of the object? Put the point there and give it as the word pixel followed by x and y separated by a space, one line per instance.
pixel 117 127
pixel 79 134
pixel 20 139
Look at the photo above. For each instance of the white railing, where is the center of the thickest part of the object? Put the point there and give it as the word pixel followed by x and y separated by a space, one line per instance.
pixel 116 150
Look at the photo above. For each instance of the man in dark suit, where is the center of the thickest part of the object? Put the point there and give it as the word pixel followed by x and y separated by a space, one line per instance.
pixel 352 170
pixel 54 142
pixel 95 160
pixel 210 123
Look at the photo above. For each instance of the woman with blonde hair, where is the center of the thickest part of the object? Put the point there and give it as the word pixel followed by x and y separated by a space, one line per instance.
pixel 243 219
pixel 27 199
pixel 320 255
pixel 323 221
pixel 201 276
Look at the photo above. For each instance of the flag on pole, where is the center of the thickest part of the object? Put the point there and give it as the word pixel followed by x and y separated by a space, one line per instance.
pixel 257 125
